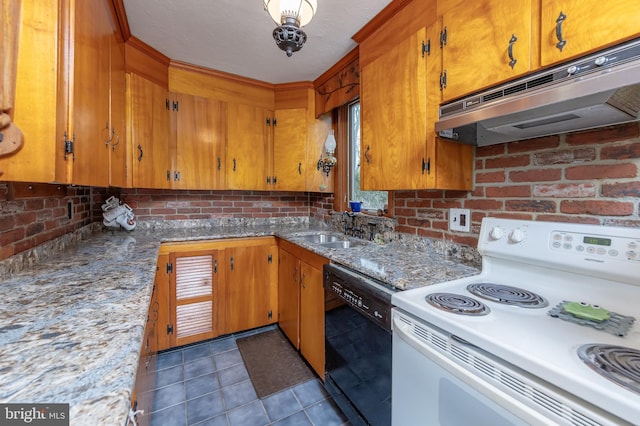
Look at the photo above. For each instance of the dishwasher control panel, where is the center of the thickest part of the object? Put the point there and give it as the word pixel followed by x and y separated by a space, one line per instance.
pixel 361 294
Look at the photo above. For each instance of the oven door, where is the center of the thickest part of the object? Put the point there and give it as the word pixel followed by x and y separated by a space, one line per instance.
pixel 429 386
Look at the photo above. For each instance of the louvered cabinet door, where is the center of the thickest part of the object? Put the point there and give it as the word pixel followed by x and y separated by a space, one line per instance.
pixel 194 296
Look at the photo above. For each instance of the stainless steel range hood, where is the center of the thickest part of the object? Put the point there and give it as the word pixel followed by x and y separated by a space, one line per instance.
pixel 599 90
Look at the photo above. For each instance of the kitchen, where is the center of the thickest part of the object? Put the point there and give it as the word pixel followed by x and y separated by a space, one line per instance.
pixel 585 177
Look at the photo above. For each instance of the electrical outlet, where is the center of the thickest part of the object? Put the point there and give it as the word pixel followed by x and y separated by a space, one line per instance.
pixel 460 220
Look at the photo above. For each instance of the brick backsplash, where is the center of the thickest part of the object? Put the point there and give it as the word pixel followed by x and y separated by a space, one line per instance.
pixel 185 205
pixel 31 214
pixel 583 177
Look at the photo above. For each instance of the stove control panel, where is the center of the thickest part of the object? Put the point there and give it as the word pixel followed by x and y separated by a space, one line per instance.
pixel 607 252
pixel 596 245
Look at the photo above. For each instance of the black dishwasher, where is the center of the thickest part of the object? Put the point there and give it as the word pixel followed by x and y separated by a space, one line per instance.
pixel 358 345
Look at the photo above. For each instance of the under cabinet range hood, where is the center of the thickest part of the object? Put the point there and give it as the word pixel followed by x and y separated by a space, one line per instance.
pixel 598 90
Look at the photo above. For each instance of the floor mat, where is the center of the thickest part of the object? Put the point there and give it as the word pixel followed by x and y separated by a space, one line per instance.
pixel 273 364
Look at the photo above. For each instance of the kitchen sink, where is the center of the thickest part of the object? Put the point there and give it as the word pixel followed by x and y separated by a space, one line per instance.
pixel 321 238
pixel 340 244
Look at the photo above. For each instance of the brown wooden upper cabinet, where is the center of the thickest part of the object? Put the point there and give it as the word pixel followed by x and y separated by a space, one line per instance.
pixel 570 28
pixel 70 62
pixel 484 42
pixel 248 146
pixel 148 133
pixel 399 103
pixel 487 42
pixel 393 117
pixel 199 134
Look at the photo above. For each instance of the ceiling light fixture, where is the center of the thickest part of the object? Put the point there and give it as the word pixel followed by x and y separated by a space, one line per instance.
pixel 290 16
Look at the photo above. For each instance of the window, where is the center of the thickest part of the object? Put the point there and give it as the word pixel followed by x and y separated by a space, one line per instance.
pixel 371 200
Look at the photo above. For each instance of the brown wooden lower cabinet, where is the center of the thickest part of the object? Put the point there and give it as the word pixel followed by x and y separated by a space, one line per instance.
pixel 206 289
pixel 142 398
pixel 210 288
pixel 301 302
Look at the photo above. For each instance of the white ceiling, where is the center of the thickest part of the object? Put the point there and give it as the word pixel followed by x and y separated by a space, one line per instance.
pixel 235 35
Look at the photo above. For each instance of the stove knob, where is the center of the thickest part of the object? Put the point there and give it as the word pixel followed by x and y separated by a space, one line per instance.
pixel 496 233
pixel 517 236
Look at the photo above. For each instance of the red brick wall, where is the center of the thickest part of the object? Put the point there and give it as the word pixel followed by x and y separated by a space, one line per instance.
pixel 585 177
pixel 182 205
pixel 31 214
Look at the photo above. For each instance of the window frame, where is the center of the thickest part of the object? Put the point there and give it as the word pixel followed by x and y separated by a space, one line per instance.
pixel 340 124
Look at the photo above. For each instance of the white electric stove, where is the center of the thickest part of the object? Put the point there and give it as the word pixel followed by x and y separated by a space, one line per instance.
pixel 515 346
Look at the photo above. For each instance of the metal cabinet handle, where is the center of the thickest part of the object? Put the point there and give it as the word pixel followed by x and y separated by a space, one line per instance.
pixel 140 153
pixel 219 165
pixel 302 281
pixel 117 136
pixel 299 168
pixel 234 164
pixel 512 41
pixel 366 154
pixel 561 41
pixel 231 260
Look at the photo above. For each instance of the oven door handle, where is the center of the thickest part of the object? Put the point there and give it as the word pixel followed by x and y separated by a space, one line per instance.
pixel 498 396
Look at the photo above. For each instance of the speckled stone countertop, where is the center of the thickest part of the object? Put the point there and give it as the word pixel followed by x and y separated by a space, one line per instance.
pixel 71 325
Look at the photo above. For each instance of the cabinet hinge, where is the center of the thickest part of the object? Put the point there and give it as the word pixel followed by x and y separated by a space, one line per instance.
pixel 175 106
pixel 166 104
pixel 268 180
pixel 426 166
pixel 69 146
pixel 443 37
pixel 268 121
pixel 443 80
pixel 176 176
pixel 169 329
pixel 169 268
pixel 270 315
pixel 426 48
pixel 169 175
pixel 270 259
pixel 275 121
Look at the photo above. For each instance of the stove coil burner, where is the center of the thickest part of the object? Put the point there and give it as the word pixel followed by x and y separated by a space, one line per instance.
pixel 457 304
pixel 508 295
pixel 616 363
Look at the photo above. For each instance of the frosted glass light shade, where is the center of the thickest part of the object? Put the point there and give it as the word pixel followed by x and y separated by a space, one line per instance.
pixel 301 10
pixel 330 143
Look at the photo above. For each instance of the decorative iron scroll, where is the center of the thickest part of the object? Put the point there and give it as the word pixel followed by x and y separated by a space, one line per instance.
pixel 339 89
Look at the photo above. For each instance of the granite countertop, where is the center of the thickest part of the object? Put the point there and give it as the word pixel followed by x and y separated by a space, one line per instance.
pixel 71 326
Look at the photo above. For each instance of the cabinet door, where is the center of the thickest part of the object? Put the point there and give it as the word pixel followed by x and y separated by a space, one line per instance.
pixel 194 296
pixel 200 134
pixel 148 132
pixel 247 147
pixel 251 298
pixel 89 93
pixel 289 296
pixel 36 96
pixel 450 164
pixel 162 286
pixel 289 149
pixel 120 151
pixel 585 25
pixel 478 39
pixel 393 111
pixel 312 317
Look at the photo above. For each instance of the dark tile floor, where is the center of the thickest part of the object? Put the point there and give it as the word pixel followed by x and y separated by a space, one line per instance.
pixel 208 384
